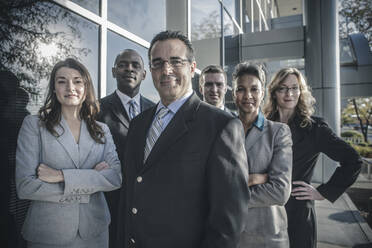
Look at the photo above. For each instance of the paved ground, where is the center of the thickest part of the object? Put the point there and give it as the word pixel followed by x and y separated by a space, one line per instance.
pixel 340 224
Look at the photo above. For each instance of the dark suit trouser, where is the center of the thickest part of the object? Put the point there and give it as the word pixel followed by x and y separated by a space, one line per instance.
pixel 301 224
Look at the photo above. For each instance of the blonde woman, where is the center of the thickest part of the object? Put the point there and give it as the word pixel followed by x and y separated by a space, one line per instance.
pixel 290 101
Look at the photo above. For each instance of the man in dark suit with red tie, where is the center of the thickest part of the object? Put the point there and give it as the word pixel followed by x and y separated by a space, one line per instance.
pixel 185 169
pixel 117 110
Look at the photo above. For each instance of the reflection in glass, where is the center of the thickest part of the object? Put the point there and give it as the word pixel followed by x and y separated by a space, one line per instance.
pixel 346 54
pixel 205 19
pixel 116 44
pixel 273 66
pixel 144 18
pixel 92 5
pixel 269 11
pixel 229 26
pixel 49 33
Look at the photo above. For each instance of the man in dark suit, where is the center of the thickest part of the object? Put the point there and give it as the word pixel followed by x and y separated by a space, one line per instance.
pixel 117 110
pixel 213 87
pixel 186 168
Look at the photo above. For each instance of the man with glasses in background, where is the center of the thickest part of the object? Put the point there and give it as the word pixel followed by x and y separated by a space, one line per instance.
pixel 118 109
pixel 186 168
pixel 213 86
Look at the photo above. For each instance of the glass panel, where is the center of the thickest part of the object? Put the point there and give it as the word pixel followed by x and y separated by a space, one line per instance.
pixel 229 27
pixel 346 53
pixel 49 33
pixel 275 65
pixel 205 19
pixel 230 6
pixel 92 5
pixel 116 44
pixel 144 18
pixel 34 38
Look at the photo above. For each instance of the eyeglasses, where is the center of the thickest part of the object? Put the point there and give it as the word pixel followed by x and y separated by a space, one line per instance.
pixel 285 90
pixel 173 62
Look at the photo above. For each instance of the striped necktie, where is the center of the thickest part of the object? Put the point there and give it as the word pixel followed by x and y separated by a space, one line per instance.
pixel 132 109
pixel 154 132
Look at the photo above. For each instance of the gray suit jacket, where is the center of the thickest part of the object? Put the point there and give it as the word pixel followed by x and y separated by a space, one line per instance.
pixel 59 210
pixel 268 151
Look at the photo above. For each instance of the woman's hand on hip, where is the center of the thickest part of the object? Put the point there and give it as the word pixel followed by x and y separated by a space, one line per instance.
pixel 305 191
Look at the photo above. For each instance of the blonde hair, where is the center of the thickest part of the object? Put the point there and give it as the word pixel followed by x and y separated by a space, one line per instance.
pixel 305 106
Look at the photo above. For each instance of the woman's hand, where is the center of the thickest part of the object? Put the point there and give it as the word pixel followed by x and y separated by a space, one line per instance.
pixel 255 179
pixel 101 166
pixel 49 175
pixel 305 192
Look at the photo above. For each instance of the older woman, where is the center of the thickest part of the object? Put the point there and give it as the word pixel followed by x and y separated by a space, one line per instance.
pixel 268 146
pixel 291 102
pixel 64 160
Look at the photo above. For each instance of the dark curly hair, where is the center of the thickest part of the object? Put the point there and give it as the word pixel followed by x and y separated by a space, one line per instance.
pixel 50 112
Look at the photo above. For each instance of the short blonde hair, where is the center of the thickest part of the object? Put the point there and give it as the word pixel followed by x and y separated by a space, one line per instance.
pixel 305 105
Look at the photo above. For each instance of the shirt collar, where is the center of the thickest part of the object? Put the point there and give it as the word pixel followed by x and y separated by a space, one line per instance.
pixel 259 123
pixel 177 104
pixel 125 99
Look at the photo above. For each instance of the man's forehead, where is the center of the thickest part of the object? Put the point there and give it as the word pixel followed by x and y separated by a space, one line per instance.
pixel 168 48
pixel 129 56
pixel 214 77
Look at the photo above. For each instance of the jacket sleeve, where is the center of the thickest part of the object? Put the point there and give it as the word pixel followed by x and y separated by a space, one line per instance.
pixel 227 186
pixel 27 161
pixel 338 150
pixel 90 181
pixel 277 189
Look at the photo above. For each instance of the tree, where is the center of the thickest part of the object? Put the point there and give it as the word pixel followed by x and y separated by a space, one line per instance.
pixel 26 26
pixel 359 110
pixel 356 17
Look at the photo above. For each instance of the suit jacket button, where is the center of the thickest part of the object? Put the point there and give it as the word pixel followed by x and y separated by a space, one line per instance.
pixel 139 179
pixel 134 210
pixel 132 241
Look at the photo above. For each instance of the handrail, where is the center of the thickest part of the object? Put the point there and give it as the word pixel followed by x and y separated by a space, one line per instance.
pixel 369 165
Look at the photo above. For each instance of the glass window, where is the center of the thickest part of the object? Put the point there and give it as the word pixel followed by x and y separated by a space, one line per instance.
pixel 92 5
pixel 230 6
pixel 346 53
pixel 51 33
pixel 229 27
pixel 205 19
pixel 116 44
pixel 273 66
pixel 144 18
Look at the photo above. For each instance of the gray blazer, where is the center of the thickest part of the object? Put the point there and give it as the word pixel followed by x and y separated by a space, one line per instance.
pixel 59 210
pixel 268 151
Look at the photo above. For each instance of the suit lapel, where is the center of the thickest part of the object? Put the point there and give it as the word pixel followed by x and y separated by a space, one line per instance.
pixel 118 109
pixel 145 104
pixel 85 143
pixel 67 140
pixel 254 135
pixel 176 128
